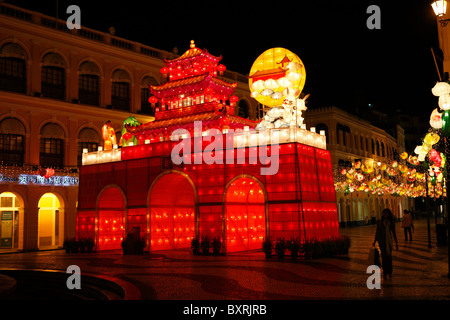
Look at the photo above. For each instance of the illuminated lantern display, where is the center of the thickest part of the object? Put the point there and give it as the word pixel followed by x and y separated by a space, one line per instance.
pixel 199 170
pixel 274 71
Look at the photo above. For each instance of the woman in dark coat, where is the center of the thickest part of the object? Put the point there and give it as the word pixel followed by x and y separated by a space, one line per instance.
pixel 385 236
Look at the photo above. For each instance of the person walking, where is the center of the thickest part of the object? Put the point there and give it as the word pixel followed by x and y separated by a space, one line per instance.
pixel 407 224
pixel 385 235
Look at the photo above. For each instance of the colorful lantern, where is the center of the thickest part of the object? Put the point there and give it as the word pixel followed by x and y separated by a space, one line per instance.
pixel 431 138
pixel 440 89
pixel 221 68
pixel 273 65
pixel 444 102
pixel 436 119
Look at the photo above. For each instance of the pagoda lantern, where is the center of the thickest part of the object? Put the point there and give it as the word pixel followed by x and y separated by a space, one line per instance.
pixel 165 71
pixel 233 100
pixel 153 100
pixel 221 68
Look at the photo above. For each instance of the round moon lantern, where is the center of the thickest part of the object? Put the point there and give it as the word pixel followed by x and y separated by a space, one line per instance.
pixel 276 74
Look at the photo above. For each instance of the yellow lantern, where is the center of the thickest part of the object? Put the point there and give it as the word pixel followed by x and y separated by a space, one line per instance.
pixel 278 69
pixel 404 155
pixel 431 138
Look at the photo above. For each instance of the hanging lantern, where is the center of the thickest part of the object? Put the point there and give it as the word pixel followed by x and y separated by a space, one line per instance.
pixel 431 138
pixel 436 119
pixel 153 100
pixel 165 71
pixel 234 98
pixel 441 88
pixel 444 102
pixel 221 68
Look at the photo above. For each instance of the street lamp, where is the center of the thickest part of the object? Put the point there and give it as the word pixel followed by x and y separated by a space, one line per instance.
pixel 440 9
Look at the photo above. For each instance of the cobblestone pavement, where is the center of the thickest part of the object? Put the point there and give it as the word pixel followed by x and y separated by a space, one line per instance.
pixel 419 272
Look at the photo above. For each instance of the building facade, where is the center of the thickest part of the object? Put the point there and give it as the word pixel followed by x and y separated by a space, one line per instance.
pixel 351 138
pixel 58 87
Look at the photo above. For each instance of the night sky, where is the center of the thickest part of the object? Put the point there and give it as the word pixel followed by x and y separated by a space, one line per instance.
pixel 347 65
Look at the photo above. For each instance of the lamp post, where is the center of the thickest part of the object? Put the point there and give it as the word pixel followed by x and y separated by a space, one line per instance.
pixel 440 9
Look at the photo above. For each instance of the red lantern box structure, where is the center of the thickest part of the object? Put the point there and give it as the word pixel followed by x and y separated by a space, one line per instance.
pixel 141 186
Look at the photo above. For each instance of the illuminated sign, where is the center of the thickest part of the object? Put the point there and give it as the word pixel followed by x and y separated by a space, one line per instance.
pixel 30 179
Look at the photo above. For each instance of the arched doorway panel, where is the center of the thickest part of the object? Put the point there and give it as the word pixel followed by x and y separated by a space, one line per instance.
pixel 172 210
pixel 111 212
pixel 50 221
pixel 245 214
pixel 11 221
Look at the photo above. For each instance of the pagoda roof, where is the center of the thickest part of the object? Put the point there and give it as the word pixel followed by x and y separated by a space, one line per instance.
pixel 193 52
pixel 190 84
pixel 269 72
pixel 209 120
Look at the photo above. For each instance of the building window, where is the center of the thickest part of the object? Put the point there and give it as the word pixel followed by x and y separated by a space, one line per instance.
pixel 12 147
pixel 243 109
pixel 89 89
pixel 13 75
pixel 89 83
pixel 120 91
pixel 52 153
pixel 87 139
pixel 378 147
pixel 344 130
pixel 53 82
pixel 12 142
pixel 383 154
pixel 121 96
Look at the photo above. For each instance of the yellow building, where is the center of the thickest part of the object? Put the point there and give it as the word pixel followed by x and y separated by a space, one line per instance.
pixel 58 87
pixel 351 138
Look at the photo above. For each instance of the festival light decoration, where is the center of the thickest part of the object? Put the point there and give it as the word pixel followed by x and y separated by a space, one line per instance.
pixel 171 202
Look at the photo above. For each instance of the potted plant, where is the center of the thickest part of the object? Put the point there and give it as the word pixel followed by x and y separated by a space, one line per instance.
pixel 68 245
pixel 294 248
pixel 217 246
pixel 74 246
pixel 267 247
pixel 195 246
pixel 306 249
pixel 140 245
pixel 90 245
pixel 280 246
pixel 82 245
pixel 205 245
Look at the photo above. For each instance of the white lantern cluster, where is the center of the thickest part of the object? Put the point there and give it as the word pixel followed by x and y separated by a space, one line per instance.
pixel 290 114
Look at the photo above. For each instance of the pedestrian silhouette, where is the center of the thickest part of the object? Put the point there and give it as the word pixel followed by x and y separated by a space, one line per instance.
pixel 385 235
pixel 407 224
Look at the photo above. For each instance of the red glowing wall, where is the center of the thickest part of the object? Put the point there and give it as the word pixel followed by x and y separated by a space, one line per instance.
pixel 172 213
pixel 111 219
pixel 244 215
pixel 201 199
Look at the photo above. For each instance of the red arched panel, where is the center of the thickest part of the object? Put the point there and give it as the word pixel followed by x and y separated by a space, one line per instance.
pixel 172 212
pixel 111 219
pixel 245 215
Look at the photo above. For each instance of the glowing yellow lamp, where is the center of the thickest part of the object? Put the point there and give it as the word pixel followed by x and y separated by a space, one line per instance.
pixel 431 138
pixel 276 73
